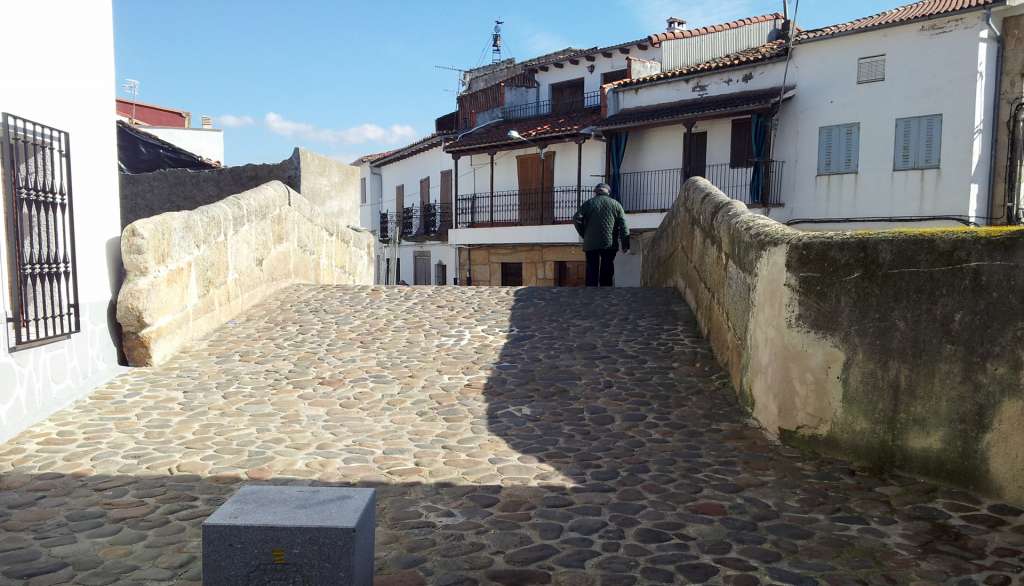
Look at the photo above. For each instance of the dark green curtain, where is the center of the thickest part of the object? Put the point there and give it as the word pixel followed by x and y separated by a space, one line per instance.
pixel 617 144
pixel 760 126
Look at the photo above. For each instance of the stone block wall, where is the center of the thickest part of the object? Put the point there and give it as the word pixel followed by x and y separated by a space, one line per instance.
pixel 189 272
pixel 538 262
pixel 331 185
pixel 880 346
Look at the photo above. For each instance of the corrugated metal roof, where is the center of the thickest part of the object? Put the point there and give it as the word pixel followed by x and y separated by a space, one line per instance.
pixel 658 38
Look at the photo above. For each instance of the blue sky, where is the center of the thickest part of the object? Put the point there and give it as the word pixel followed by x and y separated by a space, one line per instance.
pixel 348 78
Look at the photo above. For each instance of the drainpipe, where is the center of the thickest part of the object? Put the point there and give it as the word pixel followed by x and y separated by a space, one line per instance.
pixel 996 98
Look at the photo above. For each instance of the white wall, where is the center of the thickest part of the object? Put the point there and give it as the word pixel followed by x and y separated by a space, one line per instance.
pixel 439 251
pixel 409 171
pixel 70 85
pixel 591 80
pixel 941 66
pixel 205 142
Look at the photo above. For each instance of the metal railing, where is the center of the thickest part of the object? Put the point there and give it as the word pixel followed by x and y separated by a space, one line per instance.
pixel 426 222
pixel 545 107
pixel 656 191
pixel 517 207
pixel 40 232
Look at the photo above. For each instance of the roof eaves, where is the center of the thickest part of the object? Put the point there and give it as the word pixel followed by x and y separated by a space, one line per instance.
pixel 409 150
pixel 849 28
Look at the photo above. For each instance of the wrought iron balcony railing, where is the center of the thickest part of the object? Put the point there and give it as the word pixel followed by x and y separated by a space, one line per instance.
pixel 655 191
pixel 545 107
pixel 427 222
pixel 760 184
pixel 521 207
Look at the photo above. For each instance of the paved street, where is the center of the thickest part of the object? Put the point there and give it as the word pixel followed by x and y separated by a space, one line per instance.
pixel 516 436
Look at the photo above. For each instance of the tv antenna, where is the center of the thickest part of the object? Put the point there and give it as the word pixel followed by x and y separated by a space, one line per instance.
pixel 461 78
pixel 131 87
pixel 496 41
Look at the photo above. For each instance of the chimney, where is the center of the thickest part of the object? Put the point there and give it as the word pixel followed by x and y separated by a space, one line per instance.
pixel 207 121
pixel 675 24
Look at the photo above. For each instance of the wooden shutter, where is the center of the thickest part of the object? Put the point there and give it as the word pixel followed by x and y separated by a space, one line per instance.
pixel 850 148
pixel 424 191
pixel 839 148
pixel 931 142
pixel 741 147
pixel 362 190
pixel 446 187
pixel 399 198
pixel 826 149
pixel 903 152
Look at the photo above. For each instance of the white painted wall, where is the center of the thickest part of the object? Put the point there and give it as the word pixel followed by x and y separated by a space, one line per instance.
pixel 70 86
pixel 205 142
pixel 438 251
pixel 409 171
pixel 591 80
pixel 942 66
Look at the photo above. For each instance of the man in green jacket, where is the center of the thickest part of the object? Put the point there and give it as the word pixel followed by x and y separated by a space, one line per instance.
pixel 601 222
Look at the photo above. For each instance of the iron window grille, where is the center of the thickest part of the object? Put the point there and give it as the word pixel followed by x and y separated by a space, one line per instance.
pixel 871 69
pixel 36 161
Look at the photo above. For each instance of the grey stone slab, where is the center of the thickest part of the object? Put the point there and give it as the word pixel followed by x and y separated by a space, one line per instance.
pixel 291 535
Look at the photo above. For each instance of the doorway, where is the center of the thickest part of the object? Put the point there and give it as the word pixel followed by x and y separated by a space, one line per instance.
pixel 421 267
pixel 695 159
pixel 511 274
pixel 536 189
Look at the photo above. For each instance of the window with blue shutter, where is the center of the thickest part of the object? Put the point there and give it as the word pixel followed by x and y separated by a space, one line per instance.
pixel 838 148
pixel 918 143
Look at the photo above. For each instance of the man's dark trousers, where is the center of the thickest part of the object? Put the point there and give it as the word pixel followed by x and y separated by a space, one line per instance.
pixel 601 267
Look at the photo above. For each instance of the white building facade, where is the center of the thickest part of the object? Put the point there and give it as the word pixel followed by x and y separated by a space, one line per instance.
pixel 60 252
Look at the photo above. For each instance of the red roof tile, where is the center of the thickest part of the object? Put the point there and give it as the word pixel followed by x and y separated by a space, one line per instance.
pixel 758 54
pixel 658 38
pixel 371 157
pixel 551 126
pixel 901 15
pixel 424 144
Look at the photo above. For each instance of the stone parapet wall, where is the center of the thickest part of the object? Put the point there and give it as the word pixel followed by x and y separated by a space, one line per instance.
pixel 881 346
pixel 189 272
pixel 331 185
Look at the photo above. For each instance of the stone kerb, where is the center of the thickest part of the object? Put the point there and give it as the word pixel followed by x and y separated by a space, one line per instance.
pixel 189 272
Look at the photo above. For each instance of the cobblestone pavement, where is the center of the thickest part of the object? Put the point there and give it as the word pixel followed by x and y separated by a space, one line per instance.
pixel 517 436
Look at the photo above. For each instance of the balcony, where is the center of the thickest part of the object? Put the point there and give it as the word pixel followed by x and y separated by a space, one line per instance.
pixel 546 107
pixel 416 223
pixel 639 192
pixel 655 191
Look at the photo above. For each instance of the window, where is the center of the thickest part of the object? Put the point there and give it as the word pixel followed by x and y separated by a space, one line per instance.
pixel 610 76
pixel 838 148
pixel 741 147
pixel 40 234
pixel 362 190
pixel 918 143
pixel 871 69
pixel 511 274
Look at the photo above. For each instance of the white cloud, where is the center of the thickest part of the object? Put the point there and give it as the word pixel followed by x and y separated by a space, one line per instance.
pixel 364 133
pixel 652 13
pixel 232 121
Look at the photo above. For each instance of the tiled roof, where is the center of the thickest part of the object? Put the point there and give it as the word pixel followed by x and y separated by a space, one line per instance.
pixel 705 107
pixel 423 144
pixel 554 125
pixel 763 52
pixel 658 38
pixel 904 14
pixel 371 158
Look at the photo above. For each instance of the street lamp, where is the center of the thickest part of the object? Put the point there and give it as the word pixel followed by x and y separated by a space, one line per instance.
pixel 514 135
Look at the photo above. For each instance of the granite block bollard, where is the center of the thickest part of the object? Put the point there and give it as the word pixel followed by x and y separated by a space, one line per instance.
pixel 291 535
